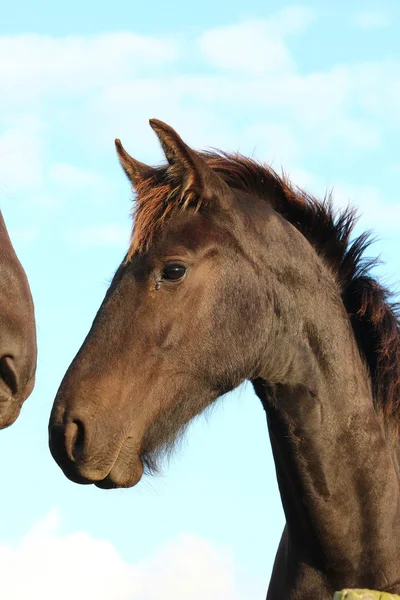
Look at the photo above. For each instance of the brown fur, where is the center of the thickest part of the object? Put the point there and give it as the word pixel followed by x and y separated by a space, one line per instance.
pixel 374 318
pixel 18 352
pixel 266 275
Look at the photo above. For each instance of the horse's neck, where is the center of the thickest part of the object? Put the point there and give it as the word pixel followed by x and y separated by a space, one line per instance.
pixel 336 463
pixel 336 469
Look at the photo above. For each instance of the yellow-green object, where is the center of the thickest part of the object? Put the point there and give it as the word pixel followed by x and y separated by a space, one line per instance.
pixel 364 595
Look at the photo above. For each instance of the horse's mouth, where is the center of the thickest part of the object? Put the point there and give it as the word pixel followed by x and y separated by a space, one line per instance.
pixel 120 479
pixel 122 470
pixel 126 472
pixel 9 409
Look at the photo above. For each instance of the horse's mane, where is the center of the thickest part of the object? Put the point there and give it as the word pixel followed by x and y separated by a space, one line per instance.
pixel 374 318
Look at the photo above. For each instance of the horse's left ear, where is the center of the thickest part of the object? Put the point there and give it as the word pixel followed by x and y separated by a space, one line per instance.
pixel 134 169
pixel 196 179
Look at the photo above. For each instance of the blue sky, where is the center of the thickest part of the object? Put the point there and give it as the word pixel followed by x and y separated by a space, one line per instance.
pixel 313 88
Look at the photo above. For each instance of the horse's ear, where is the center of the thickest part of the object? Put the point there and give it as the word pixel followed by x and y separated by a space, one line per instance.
pixel 135 170
pixel 196 178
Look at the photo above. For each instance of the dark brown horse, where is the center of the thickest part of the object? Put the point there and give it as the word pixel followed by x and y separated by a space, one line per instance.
pixel 234 274
pixel 17 333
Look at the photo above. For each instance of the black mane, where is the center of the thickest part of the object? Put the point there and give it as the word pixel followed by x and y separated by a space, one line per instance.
pixel 374 318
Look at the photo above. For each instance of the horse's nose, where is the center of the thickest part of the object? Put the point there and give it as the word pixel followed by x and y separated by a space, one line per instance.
pixel 67 441
pixel 75 439
pixel 70 446
pixel 17 378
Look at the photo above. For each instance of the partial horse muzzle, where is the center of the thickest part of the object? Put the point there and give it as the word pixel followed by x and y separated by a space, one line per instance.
pixel 87 450
pixel 67 446
pixel 71 445
pixel 17 380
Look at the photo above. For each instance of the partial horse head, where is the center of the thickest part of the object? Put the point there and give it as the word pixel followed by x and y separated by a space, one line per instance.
pixel 219 285
pixel 170 335
pixel 17 333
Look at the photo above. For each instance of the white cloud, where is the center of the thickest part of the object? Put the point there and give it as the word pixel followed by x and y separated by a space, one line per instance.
pixel 250 47
pixel 394 168
pixel 358 135
pixel 33 65
pixel 74 177
pixel 283 115
pixel 105 73
pixel 256 46
pixel 72 183
pixel 371 19
pixel 305 180
pixel 320 109
pixel 25 171
pixel 376 90
pixel 276 141
pixel 46 563
pixel 21 158
pixel 292 19
pixel 205 106
pixel 375 212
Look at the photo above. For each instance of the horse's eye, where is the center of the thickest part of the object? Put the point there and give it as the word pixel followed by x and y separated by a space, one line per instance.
pixel 173 272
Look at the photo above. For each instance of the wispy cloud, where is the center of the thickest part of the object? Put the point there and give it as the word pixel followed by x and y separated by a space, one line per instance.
pixel 257 100
pixel 21 157
pixel 78 566
pixel 375 211
pixel 34 66
pixel 256 46
pixel 371 19
pixel 72 183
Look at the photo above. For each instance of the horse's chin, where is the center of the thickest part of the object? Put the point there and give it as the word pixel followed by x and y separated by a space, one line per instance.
pixel 126 472
pixel 9 410
pixel 122 476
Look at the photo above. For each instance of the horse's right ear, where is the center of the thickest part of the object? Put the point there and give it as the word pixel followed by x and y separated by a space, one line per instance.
pixel 134 169
pixel 194 178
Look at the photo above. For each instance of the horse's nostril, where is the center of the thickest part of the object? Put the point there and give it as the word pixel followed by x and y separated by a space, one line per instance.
pixel 56 441
pixel 8 374
pixel 68 446
pixel 75 439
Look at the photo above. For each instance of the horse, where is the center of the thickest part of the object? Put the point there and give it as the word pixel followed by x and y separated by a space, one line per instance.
pixel 232 274
pixel 18 350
